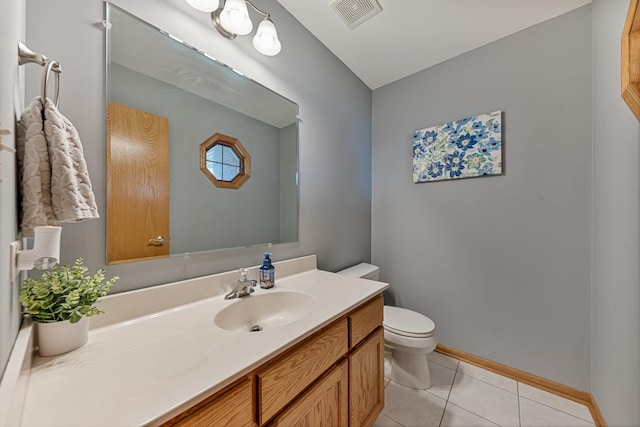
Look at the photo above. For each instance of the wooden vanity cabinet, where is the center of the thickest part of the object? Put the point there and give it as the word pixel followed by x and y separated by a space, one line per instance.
pixel 335 377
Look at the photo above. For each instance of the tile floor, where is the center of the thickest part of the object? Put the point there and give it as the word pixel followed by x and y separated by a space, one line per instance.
pixel 463 395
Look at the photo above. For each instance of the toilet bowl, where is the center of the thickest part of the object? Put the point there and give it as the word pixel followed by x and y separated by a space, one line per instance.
pixel 408 338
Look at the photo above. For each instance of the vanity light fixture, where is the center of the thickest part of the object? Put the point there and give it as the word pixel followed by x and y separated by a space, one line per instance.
pixel 231 18
pixel 204 5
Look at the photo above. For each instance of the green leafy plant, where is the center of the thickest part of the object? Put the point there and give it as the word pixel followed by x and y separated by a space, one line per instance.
pixel 64 293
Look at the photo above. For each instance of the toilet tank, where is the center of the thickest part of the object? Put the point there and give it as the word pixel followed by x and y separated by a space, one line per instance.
pixel 363 270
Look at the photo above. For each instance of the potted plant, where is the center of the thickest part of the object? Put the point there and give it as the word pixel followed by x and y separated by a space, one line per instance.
pixel 60 302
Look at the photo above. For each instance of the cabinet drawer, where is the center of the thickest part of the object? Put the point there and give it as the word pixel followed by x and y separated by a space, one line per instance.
pixel 326 403
pixel 282 380
pixel 232 407
pixel 365 319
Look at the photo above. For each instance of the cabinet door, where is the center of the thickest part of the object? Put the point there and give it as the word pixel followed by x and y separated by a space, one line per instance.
pixel 366 381
pixel 324 404
pixel 233 407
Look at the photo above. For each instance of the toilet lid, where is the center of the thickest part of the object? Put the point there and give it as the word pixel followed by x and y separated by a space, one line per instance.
pixel 407 323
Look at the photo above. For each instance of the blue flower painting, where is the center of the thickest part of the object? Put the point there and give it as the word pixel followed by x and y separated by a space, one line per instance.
pixel 459 149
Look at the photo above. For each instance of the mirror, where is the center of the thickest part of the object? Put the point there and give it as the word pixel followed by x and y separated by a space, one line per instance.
pixel 165 100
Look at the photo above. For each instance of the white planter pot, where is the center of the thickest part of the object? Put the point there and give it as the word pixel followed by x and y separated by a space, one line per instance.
pixel 62 337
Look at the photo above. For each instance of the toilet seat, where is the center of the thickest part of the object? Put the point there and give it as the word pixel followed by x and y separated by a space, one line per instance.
pixel 408 334
pixel 407 323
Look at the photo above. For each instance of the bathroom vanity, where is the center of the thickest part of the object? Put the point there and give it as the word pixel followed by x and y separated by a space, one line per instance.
pixel 180 354
pixel 318 380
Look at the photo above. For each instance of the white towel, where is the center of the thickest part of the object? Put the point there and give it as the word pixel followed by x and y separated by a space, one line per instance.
pixel 34 170
pixel 71 192
pixel 60 170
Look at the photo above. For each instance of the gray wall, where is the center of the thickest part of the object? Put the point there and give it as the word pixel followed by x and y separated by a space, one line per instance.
pixel 335 132
pixel 288 183
pixel 501 264
pixel 11 30
pixel 615 317
pixel 203 216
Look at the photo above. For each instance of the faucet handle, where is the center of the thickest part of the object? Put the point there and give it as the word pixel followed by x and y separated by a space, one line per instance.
pixel 244 277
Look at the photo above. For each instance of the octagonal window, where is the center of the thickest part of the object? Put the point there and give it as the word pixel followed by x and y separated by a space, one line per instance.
pixel 225 161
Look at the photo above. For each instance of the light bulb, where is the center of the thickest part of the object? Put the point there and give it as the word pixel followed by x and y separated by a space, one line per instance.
pixel 266 39
pixel 204 5
pixel 235 17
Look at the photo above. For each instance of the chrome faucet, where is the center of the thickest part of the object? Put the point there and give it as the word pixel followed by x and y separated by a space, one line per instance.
pixel 244 286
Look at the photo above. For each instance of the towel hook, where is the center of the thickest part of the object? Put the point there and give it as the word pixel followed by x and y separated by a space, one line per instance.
pixel 55 67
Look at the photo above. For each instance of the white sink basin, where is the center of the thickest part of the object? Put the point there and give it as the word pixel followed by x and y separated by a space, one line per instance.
pixel 264 311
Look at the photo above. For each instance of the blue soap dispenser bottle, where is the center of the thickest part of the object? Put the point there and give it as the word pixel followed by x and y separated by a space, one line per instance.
pixel 267 272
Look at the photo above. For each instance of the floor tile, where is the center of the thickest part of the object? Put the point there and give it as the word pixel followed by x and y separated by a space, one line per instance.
pixel 455 416
pixel 483 399
pixel 412 407
pixel 386 381
pixel 384 421
pixel 443 359
pixel 441 380
pixel 534 414
pixel 549 399
pixel 488 377
pixel 464 395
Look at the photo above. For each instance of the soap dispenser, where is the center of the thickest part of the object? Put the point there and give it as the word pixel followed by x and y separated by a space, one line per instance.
pixel 267 272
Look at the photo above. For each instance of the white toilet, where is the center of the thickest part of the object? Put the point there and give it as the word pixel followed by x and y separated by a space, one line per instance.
pixel 408 338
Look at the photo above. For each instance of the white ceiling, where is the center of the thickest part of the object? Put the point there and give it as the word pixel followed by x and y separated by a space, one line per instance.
pixel 411 35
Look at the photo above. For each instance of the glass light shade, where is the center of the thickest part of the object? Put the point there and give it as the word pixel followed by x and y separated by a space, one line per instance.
pixel 235 17
pixel 204 5
pixel 266 39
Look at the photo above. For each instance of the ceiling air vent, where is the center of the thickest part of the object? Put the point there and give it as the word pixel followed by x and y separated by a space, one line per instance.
pixel 355 12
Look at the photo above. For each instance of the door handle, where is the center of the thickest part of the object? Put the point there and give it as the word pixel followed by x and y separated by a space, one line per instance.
pixel 157 241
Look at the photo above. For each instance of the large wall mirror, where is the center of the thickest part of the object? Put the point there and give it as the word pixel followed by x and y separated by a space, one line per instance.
pixel 164 100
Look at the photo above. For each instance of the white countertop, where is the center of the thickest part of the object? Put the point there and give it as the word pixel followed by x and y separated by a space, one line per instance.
pixel 149 369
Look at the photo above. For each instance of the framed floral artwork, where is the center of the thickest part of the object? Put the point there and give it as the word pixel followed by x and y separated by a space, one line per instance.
pixel 459 149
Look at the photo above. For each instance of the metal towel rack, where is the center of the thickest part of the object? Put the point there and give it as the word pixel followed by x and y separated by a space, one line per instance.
pixel 26 55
